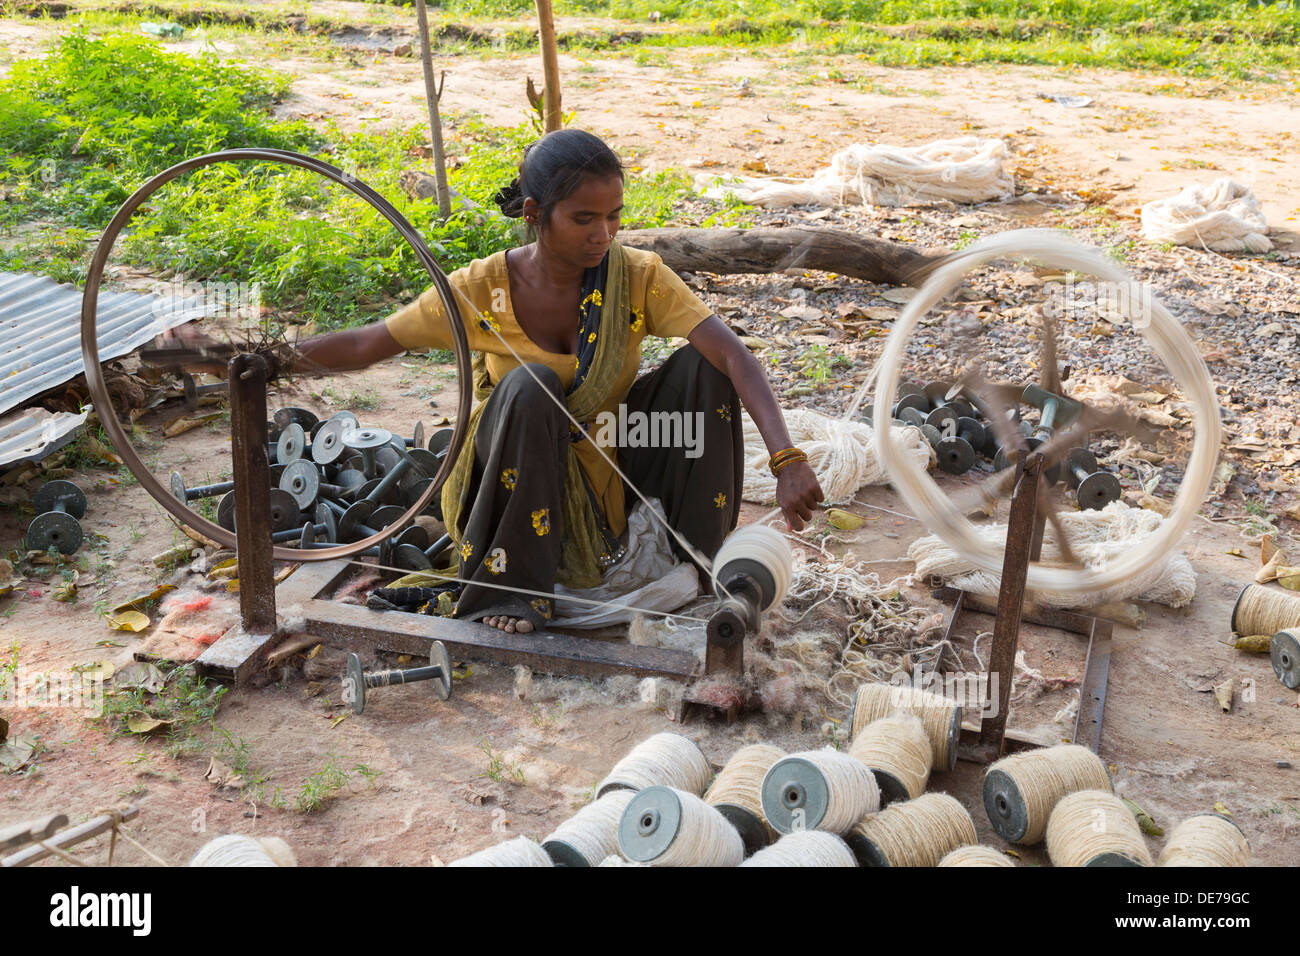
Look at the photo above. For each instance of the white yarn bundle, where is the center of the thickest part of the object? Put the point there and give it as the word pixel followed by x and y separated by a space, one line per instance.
pixel 899 746
pixel 840 452
pixel 237 849
pixel 668 760
pixel 977 855
pixel 1223 216
pixel 1096 538
pixel 966 170
pixel 1093 825
pixel 805 848
pixel 520 851
pixel 1206 839
pixel 851 790
pixel 593 830
pixel 704 837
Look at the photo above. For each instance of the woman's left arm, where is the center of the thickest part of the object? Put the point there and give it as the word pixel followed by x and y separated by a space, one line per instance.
pixel 797 489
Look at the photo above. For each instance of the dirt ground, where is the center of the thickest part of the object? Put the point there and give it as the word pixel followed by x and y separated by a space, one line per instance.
pixel 1169 746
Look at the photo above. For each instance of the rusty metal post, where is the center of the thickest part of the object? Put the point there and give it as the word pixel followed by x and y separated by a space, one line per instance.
pixel 248 442
pixel 1011 598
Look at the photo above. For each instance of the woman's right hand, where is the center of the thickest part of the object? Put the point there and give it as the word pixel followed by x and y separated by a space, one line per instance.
pixel 797 493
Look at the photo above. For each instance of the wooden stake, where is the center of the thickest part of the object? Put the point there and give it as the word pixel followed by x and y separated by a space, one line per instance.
pixel 550 67
pixel 433 93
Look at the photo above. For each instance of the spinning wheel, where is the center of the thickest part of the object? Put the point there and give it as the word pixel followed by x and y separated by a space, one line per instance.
pixel 1063 425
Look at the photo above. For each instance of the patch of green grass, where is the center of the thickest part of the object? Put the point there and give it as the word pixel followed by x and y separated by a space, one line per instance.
pixel 8 668
pixel 322 786
pixel 499 769
pixel 187 701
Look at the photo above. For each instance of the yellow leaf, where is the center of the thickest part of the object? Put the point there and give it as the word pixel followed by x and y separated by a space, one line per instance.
pixel 340 718
pixel 1235 552
pixel 143 723
pixel 132 621
pixel 1221 807
pixel 1255 643
pixel 844 520
pixel 134 603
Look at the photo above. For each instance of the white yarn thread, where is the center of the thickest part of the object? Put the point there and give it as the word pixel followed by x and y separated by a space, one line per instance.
pixel 805 848
pixel 615 860
pixel 978 855
pixel 899 746
pixel 668 760
pixel 704 837
pixel 965 170
pixel 851 789
pixel 1167 339
pixel 1089 823
pixel 1096 538
pixel 520 851
pixel 1206 839
pixel 840 452
pixel 593 830
pixel 1223 216
pixel 238 849
pixel 765 545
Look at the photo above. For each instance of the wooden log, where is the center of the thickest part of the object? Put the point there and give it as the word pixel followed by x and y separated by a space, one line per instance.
pixel 552 116
pixel 91 828
pixel 21 834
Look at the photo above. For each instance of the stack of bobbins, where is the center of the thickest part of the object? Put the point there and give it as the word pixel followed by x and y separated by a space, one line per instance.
pixel 665 760
pixel 1095 828
pixel 977 855
pixel 1261 610
pixel 940 717
pixel 819 790
pixel 1020 791
pixel 920 832
pixel 666 827
pixel 805 848
pixel 1206 839
pixel 590 835
pixel 897 749
pixel 520 851
pixel 737 793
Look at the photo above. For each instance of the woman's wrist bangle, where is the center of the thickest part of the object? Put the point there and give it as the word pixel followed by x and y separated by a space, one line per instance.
pixel 785 457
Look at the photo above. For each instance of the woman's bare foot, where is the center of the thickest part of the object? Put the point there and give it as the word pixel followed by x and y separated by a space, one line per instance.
pixel 511 625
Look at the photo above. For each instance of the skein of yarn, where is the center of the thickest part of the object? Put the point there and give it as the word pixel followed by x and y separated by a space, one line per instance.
pixel 520 851
pixel 920 832
pixel 1021 790
pixel 664 760
pixel 940 716
pixel 1095 828
pixel 666 827
pixel 238 849
pixel 819 790
pixel 1206 839
pixel 977 855
pixel 805 848
pixel 590 835
pixel 1261 610
pixel 737 793
pixel 897 749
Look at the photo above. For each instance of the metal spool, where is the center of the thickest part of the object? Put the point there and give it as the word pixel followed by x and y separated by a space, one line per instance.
pixel 440 440
pixel 284 511
pixel 1097 488
pixel 302 481
pixel 794 789
pixel 892 790
pixel 752 830
pixel 99 391
pixel 437 672
pixel 291 445
pixel 866 851
pixel 1112 860
pixel 328 446
pixel 954 455
pixel 305 419
pixel 564 854
pixel 58 505
pixel 650 824
pixel 1284 652
pixel 1005 806
pixel 937 393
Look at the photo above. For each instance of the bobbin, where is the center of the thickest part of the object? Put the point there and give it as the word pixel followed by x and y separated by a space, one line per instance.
pixel 1094 488
pixel 795 795
pixel 181 493
pixel 1284 652
pixel 954 728
pixel 58 505
pixel 291 445
pixel 653 821
pixel 284 511
pixel 356 680
pixel 193 391
pixel 300 416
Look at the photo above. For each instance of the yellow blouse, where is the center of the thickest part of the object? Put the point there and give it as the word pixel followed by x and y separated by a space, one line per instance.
pixel 661 305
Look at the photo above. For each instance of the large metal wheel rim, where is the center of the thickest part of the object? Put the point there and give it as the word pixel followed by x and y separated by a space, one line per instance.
pixel 1163 334
pixel 179 510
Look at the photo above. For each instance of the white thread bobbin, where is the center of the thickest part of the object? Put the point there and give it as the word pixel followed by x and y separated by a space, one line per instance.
pixel 664 760
pixel 819 790
pixel 237 849
pixel 897 749
pixel 920 832
pixel 940 716
pixel 666 827
pixel 1021 790
pixel 520 851
pixel 591 834
pixel 1095 828
pixel 805 848
pixel 1284 652
pixel 977 855
pixel 1261 610
pixel 765 546
pixel 737 793
pixel 1206 839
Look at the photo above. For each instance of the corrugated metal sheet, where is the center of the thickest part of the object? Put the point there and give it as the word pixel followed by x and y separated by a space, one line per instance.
pixel 33 433
pixel 40 331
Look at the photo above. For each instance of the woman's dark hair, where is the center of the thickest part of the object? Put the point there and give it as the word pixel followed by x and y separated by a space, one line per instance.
pixel 555 166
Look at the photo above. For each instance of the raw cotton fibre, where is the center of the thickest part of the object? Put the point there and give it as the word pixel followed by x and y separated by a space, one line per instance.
pixel 740 782
pixel 703 836
pixel 964 170
pixel 237 849
pixel 1096 538
pixel 520 851
pixel 939 716
pixel 977 855
pixel 898 746
pixel 840 453
pixel 668 760
pixel 1206 839
pixel 805 848
pixel 591 833
pixel 849 786
pixel 1093 828
pixel 1038 780
pixel 1223 216
pixel 1262 610
pixel 920 832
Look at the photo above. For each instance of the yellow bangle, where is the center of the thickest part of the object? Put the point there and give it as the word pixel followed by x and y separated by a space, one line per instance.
pixel 784 457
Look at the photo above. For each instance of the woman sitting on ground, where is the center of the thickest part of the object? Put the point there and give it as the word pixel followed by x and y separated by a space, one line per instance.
pixel 556 325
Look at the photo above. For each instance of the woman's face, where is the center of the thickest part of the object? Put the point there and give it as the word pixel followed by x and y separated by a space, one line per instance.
pixel 581 227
